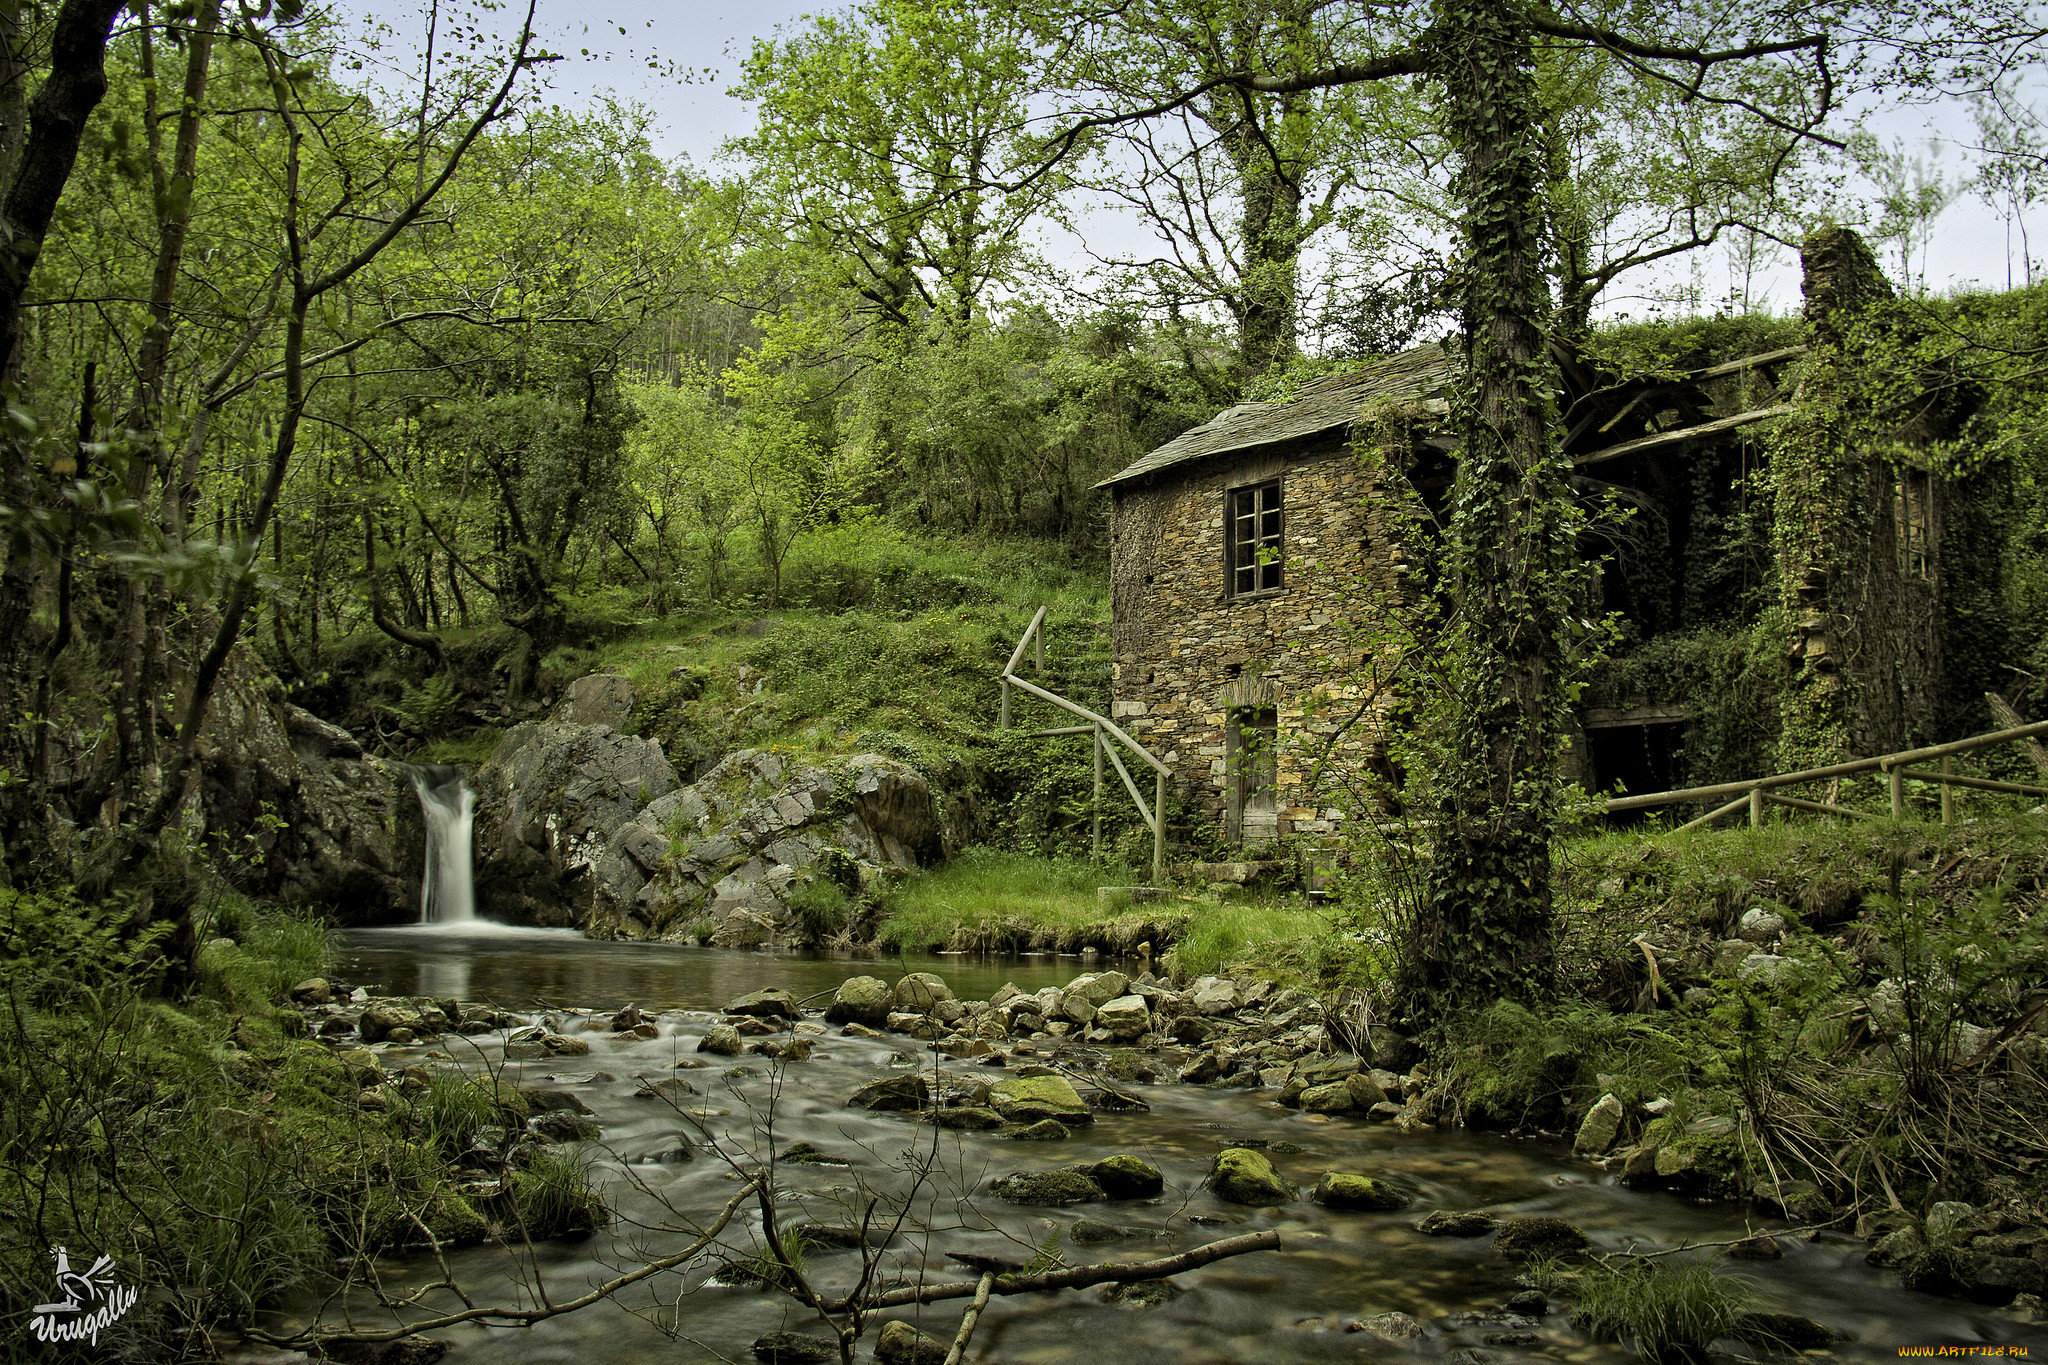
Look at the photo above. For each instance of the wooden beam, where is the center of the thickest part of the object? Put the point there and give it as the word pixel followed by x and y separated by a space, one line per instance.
pixel 1612 717
pixel 1684 434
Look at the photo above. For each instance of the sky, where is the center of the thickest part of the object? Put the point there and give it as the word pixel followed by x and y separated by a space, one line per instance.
pixel 709 38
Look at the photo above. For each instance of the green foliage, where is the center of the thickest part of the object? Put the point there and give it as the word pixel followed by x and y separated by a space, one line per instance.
pixel 274 948
pixel 552 1195
pixel 1517 1066
pixel 1730 678
pixel 1670 1313
pixel 426 709
pixel 822 908
pixel 52 943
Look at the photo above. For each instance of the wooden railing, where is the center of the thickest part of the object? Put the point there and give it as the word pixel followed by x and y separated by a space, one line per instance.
pixel 1756 793
pixel 1107 735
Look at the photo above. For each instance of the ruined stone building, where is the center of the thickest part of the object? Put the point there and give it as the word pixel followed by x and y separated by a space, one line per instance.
pixel 1246 555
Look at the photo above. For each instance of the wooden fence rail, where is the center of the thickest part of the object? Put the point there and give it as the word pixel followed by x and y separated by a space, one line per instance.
pixel 1107 736
pixel 1754 794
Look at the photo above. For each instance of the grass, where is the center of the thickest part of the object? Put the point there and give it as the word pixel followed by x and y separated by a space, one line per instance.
pixel 1669 1313
pixel 993 900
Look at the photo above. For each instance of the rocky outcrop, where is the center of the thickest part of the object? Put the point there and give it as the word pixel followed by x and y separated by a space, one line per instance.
pixel 553 797
pixel 294 801
pixel 722 857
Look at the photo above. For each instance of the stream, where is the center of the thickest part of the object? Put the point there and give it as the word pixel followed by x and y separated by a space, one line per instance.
pixel 1283 1307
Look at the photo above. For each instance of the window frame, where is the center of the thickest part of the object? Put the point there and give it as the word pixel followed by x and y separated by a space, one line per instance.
pixel 1276 541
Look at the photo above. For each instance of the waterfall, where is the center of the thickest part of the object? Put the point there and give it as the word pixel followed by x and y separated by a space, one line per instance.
pixel 448 889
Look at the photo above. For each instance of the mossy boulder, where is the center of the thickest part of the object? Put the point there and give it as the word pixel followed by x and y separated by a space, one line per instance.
pixel 1052 1189
pixel 1124 1176
pixel 1030 1099
pixel 902 1344
pixel 1457 1223
pixel 896 1093
pixel 920 991
pixel 1045 1130
pixel 1141 1293
pixel 1775 1331
pixel 968 1118
pixel 1334 1098
pixel 1358 1193
pixel 794 1348
pixel 864 1000
pixel 1539 1236
pixel 1243 1176
pixel 772 1002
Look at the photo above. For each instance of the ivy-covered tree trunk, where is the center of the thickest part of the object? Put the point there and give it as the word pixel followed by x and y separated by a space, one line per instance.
pixel 1267 321
pixel 1486 928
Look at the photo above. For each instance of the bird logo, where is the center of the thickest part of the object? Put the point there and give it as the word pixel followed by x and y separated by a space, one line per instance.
pixel 73 1316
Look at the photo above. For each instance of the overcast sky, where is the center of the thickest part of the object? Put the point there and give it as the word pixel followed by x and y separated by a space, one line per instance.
pixel 710 37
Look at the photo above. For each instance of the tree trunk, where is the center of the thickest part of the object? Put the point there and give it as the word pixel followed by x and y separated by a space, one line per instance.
pixel 56 121
pixel 1487 927
pixel 1267 322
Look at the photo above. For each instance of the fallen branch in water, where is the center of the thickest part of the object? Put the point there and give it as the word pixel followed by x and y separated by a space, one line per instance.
pixel 981 1292
pixel 1071 1277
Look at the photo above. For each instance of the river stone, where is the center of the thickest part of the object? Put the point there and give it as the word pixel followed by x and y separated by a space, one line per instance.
pixel 504 1097
pixel 378 1021
pixel 1028 1099
pixel 1457 1223
pixel 1946 1220
pixel 902 1344
pixel 721 1040
pixel 1539 1236
pixel 1783 1331
pixel 1212 995
pixel 971 1118
pixel 562 1126
pixel 893 1093
pixel 1052 1189
pixel 1045 1130
pixel 1124 1176
pixel 361 1065
pixel 1202 1070
pixel 919 991
pixel 1358 1193
pixel 1393 1051
pixel 804 1154
pixel 1597 1132
pixel 314 990
pixel 1761 1247
pixel 1898 1249
pixel 544 1101
pixel 1334 1098
pixel 1798 1200
pixel 1392 1327
pixel 558 1046
pixel 1315 1071
pixel 1141 1293
pixel 670 1088
pixel 1093 1232
pixel 773 1002
pixel 1098 988
pixel 1124 1018
pixel 861 1000
pixel 1243 1176
pixel 794 1348
pixel 1369 1088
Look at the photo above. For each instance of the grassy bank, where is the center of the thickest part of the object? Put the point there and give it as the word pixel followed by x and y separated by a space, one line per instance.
pixel 192 1132
pixel 991 901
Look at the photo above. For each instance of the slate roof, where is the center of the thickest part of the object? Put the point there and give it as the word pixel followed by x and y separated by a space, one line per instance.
pixel 1330 404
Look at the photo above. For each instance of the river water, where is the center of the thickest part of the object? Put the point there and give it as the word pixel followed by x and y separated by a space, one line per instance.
pixel 1280 1307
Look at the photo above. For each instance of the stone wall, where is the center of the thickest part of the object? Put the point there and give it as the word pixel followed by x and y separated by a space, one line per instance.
pixel 1187 651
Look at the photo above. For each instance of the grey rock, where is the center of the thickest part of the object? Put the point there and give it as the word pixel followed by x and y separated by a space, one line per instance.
pixel 893 1093
pixel 1597 1131
pixel 721 1040
pixel 1124 1017
pixel 861 1000
pixel 1759 925
pixel 770 1003
pixel 918 992
pixel 1946 1220
pixel 1211 995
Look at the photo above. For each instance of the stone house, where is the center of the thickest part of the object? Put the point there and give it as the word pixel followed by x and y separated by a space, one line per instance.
pixel 1243 551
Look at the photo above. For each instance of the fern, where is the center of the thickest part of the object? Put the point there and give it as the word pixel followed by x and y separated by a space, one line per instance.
pixel 424 710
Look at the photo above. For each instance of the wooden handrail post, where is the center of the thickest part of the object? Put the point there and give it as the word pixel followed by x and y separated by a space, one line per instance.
pixel 1897 774
pixel 1159 828
pixel 1006 705
pixel 1948 800
pixel 1038 631
pixel 1756 807
pixel 1097 821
